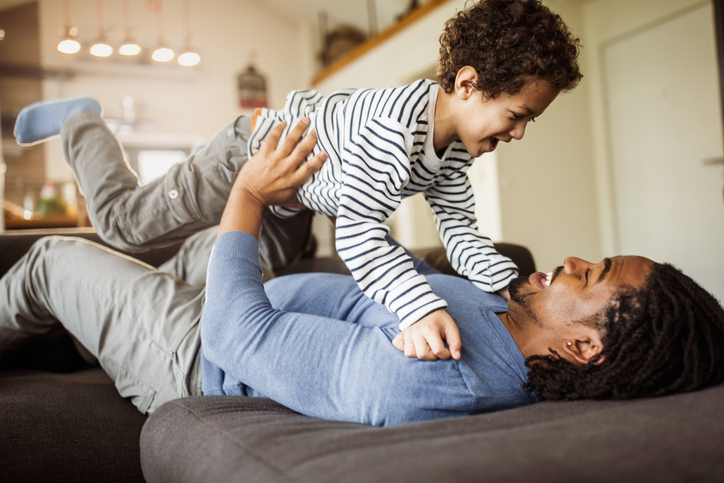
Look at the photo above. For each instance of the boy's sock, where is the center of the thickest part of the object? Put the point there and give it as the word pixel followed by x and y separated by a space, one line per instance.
pixel 42 120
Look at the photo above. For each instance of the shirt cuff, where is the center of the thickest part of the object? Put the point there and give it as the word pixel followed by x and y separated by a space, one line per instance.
pixel 412 300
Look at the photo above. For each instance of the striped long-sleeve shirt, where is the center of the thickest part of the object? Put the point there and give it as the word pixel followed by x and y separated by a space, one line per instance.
pixel 380 148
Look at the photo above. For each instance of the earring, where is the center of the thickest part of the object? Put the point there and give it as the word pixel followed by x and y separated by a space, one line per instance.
pixel 570 344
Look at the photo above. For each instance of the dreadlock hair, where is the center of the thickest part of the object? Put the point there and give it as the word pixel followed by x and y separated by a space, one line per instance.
pixel 508 42
pixel 662 339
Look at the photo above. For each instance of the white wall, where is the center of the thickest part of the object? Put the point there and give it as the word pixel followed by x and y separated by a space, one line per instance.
pixel 547 187
pixel 603 22
pixel 547 180
pixel 177 100
pixel 405 57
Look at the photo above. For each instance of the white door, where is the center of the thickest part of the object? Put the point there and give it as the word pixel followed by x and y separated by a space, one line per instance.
pixel 664 122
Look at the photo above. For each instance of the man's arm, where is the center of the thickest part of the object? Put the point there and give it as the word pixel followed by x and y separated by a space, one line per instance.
pixel 271 178
pixel 270 351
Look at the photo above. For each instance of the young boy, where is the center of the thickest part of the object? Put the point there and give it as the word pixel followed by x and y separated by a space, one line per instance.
pixel 502 62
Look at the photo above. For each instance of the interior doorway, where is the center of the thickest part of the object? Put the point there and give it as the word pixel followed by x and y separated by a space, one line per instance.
pixel 665 128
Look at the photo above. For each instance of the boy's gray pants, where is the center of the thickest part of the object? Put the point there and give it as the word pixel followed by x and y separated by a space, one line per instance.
pixel 142 324
pixel 189 198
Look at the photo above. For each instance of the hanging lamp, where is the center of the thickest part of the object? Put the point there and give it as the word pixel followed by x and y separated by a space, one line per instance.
pixel 162 53
pixel 68 44
pixel 189 58
pixel 129 47
pixel 100 48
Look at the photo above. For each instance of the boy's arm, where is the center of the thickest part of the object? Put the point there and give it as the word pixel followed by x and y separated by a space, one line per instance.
pixel 421 266
pixel 377 168
pixel 425 339
pixel 470 253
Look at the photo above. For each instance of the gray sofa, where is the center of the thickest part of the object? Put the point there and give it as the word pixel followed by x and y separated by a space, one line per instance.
pixel 62 420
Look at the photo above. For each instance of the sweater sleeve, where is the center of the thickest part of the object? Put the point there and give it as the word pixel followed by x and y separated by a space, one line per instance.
pixel 319 366
pixel 470 253
pixel 377 167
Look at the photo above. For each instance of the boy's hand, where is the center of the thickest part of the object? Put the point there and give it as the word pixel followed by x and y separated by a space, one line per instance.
pixel 424 339
pixel 504 293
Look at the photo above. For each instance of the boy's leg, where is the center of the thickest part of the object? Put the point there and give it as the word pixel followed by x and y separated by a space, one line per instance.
pixel 142 325
pixel 189 198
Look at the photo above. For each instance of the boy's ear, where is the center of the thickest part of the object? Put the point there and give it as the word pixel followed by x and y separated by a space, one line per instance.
pixel 465 82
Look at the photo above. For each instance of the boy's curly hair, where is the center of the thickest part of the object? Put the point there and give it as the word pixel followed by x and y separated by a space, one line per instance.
pixel 507 42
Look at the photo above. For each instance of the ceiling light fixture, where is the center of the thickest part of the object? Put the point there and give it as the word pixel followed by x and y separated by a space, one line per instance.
pixel 68 44
pixel 129 46
pixel 162 53
pixel 189 58
pixel 101 48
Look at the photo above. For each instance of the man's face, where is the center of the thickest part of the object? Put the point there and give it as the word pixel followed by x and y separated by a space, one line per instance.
pixel 576 291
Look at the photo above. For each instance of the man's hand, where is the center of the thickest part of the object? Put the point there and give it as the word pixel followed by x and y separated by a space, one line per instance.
pixel 424 338
pixel 271 177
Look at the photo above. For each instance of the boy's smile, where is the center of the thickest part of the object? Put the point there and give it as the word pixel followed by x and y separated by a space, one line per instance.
pixel 481 123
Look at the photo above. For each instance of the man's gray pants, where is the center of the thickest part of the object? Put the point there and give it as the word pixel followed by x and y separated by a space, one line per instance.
pixel 140 323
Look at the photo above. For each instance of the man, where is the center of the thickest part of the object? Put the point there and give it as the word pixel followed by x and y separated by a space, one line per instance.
pixel 626 327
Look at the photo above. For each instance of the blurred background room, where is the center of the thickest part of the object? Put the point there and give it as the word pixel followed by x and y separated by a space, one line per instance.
pixel 629 162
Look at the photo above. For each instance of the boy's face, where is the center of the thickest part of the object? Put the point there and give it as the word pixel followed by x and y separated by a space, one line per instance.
pixel 483 122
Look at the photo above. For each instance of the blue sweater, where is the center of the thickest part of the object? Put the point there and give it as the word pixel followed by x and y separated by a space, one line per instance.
pixel 316 344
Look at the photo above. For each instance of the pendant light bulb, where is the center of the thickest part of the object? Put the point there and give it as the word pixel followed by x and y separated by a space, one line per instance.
pixel 163 54
pixel 189 58
pixel 68 44
pixel 129 49
pixel 101 48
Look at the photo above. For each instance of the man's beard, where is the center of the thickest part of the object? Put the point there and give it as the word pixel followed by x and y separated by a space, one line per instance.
pixel 521 296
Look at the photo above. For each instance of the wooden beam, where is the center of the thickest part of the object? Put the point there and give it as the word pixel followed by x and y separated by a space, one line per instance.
pixel 27 71
pixel 378 39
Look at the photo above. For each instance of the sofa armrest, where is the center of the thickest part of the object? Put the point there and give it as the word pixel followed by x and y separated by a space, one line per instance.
pixel 435 257
pixel 521 256
pixel 15 243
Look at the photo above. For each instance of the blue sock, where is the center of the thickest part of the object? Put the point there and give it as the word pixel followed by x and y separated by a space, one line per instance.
pixel 42 120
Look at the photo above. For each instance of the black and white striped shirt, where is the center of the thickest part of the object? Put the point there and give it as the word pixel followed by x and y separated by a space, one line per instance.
pixel 380 153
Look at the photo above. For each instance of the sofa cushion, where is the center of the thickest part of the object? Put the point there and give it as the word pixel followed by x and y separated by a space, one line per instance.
pixel 67 427
pixel 222 438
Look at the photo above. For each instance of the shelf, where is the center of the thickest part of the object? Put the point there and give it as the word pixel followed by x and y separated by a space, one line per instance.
pixel 377 40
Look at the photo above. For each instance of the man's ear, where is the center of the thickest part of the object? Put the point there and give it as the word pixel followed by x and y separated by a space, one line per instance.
pixel 465 82
pixel 585 346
